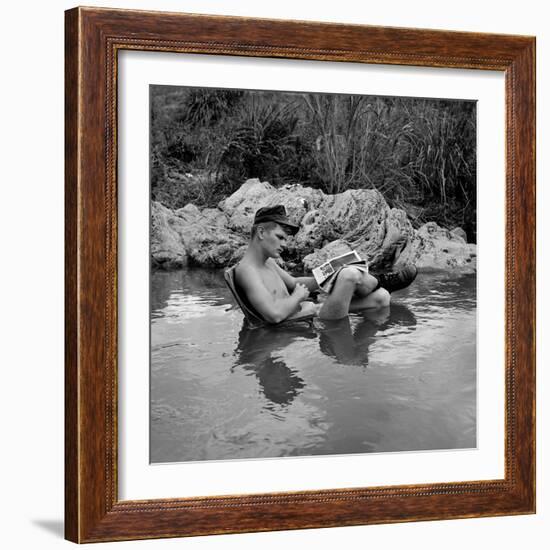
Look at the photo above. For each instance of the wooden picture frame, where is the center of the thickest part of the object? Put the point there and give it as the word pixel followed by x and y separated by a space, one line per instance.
pixel 93 511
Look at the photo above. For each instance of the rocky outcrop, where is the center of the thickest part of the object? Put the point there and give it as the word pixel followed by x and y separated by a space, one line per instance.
pixel 350 215
pixel 329 225
pixel 167 248
pixel 207 237
pixel 241 206
pixel 360 218
pixel 435 248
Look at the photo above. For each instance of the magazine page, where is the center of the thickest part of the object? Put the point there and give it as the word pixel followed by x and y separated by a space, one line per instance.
pixel 330 268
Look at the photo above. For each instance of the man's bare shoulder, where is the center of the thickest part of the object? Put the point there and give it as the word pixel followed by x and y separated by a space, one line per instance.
pixel 246 273
pixel 287 278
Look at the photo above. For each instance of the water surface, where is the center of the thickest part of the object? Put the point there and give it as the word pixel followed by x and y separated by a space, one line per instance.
pixel 398 379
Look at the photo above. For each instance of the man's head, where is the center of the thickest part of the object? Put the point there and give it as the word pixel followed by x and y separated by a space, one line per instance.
pixel 271 229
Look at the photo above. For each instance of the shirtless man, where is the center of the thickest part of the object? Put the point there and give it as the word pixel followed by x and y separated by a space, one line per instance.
pixel 276 295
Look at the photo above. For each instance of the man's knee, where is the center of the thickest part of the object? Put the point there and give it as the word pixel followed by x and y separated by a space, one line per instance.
pixel 350 275
pixel 382 297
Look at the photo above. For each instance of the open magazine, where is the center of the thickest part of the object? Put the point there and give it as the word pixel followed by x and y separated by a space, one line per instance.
pixel 326 273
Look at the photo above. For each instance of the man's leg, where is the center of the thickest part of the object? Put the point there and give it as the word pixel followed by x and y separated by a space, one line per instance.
pixel 365 285
pixel 366 297
pixel 352 291
pixel 377 299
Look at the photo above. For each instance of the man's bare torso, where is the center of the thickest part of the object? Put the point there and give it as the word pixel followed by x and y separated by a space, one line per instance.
pixel 268 275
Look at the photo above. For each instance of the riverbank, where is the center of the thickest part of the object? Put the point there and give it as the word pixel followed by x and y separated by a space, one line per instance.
pixel 357 219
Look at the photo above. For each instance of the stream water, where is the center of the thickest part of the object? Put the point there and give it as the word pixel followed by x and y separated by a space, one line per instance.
pixel 398 379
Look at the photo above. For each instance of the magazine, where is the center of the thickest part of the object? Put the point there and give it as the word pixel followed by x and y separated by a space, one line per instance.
pixel 326 273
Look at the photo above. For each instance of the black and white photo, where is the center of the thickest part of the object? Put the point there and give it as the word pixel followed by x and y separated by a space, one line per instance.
pixel 313 274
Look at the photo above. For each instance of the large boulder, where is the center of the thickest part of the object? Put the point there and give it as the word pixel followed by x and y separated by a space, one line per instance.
pixel 167 248
pixel 248 196
pixel 207 237
pixel 360 217
pixel 253 194
pixel 297 200
pixel 241 206
pixel 348 216
pixel 190 236
pixel 398 233
pixel 436 248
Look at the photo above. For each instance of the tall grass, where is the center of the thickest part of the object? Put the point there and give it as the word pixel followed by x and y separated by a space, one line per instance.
pixel 260 144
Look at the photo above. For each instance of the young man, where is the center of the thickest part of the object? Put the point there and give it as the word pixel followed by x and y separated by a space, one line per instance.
pixel 276 295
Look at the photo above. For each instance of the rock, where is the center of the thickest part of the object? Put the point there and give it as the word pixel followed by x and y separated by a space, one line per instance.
pixel 459 232
pixel 398 233
pixel 436 248
pixel 250 193
pixel 188 211
pixel 241 206
pixel 167 249
pixel 190 236
pixel 330 225
pixel 183 219
pixel 208 239
pixel 211 249
pixel 213 218
pixel 191 224
pixel 430 248
pixel 349 216
pixel 362 218
pixel 335 248
pixel 297 200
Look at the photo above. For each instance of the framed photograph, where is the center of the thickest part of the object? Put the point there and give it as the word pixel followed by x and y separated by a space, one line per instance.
pixel 300 275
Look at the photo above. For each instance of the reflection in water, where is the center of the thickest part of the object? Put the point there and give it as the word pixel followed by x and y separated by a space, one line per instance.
pixel 258 349
pixel 398 379
pixel 257 353
pixel 350 346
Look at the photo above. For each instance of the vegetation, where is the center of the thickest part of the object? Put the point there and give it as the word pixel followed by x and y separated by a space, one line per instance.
pixel 419 153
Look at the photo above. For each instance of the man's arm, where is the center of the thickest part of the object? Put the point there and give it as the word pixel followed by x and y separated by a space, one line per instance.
pixel 309 282
pixel 271 309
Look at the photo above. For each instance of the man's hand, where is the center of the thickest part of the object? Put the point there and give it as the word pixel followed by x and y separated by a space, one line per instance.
pixel 301 292
pixel 309 308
